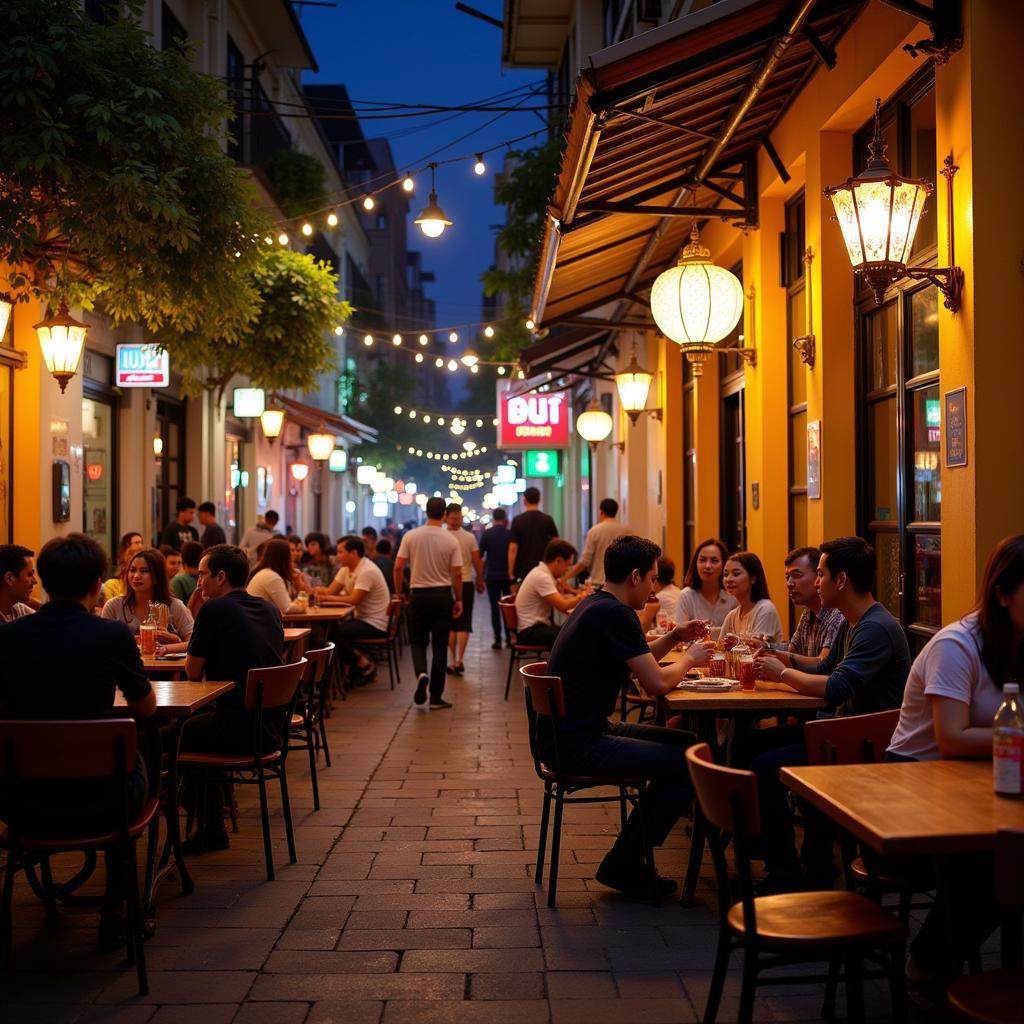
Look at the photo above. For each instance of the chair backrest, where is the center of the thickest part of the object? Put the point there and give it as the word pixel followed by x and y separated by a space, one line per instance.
pixel 273 687
pixel 546 693
pixel 394 613
pixel 854 739
pixel 507 607
pixel 727 796
pixel 318 663
pixel 55 750
pixel 1010 868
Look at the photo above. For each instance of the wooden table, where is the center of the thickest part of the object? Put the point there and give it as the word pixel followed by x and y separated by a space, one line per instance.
pixel 932 808
pixel 319 615
pixel 174 668
pixel 295 640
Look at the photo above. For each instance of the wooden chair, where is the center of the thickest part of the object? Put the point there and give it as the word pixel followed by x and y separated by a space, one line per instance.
pixel 62 753
pixel 997 997
pixel 517 651
pixel 545 704
pixel 387 643
pixel 307 725
pixel 268 692
pixel 794 928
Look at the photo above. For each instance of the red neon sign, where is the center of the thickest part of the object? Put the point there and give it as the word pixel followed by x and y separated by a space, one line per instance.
pixel 94 471
pixel 532 420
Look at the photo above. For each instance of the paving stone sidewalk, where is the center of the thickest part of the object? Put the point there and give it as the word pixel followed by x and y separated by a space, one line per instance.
pixel 412 900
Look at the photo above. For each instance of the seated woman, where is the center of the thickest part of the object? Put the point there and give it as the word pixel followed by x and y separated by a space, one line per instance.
pixel 147 585
pixel 131 544
pixel 953 692
pixel 273 579
pixel 703 597
pixel 754 614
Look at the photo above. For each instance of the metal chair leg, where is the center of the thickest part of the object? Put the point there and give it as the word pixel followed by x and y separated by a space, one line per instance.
pixel 49 898
pixel 746 1011
pixel 268 852
pixel 310 746
pixel 542 843
pixel 511 666
pixel 854 988
pixel 718 977
pixel 556 842
pixel 286 807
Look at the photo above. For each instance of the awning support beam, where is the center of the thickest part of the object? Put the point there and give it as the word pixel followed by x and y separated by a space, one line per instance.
pixel 773 155
pixel 826 54
pixel 661 122
pixel 643 210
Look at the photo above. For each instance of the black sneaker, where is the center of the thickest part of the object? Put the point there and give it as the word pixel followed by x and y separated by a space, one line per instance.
pixel 439 704
pixel 496 646
pixel 634 880
pixel 210 843
pixel 422 682
pixel 451 670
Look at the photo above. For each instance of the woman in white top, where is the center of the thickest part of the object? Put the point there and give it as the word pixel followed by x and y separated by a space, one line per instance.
pixel 754 614
pixel 146 577
pixel 273 577
pixel 703 597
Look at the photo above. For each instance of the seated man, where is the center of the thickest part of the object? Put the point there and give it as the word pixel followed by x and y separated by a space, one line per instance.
pixel 865 671
pixel 385 563
pixel 596 650
pixel 64 662
pixel 183 585
pixel 538 595
pixel 367 591
pixel 816 631
pixel 233 633
pixel 17 581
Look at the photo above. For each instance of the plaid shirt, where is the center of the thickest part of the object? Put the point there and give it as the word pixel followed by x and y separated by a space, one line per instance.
pixel 815 631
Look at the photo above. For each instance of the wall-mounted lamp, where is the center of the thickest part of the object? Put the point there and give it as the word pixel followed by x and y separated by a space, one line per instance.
pixel 299 471
pixel 62 338
pixel 806 344
pixel 594 425
pixel 272 421
pixel 634 385
pixel 158 445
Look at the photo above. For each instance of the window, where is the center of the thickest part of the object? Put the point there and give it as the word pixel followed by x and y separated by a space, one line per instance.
pixel 795 281
pixel 170 464
pixel 236 96
pixel 381 222
pixel 732 468
pixel 99 436
pixel 172 32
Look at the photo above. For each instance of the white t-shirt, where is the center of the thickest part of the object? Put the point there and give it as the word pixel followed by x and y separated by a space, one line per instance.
pixel 531 608
pixel 599 537
pixel 467 545
pixel 668 599
pixel 949 666
pixel 373 609
pixel 761 619
pixel 432 552
pixel 269 585
pixel 692 604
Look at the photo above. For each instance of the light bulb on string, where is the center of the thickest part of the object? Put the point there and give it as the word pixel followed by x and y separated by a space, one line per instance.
pixel 412 414
pixel 408 185
pixel 479 167
pixel 426 417
pixel 501 371
pixel 396 340
pixel 398 410
pixel 268 240
pixel 332 219
pixel 531 324
pixel 439 362
pixel 474 369
pixel 423 339
pixel 307 229
pixel 452 365
pixel 282 239
pixel 440 421
pixel 419 357
pixel 453 337
pixel 369 202
pixel 339 330
pixel 433 220
pixel 488 331
pixel 479 423
pixel 368 340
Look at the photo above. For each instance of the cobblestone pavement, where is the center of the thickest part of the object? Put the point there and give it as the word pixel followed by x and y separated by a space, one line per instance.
pixel 412 900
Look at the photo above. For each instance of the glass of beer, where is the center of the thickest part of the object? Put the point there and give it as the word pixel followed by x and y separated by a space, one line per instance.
pixel 745 667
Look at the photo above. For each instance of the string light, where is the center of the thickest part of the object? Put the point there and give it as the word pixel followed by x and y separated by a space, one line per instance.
pixel 369 202
pixel 479 168
pixel 332 219
pixel 531 324
pixel 439 362
pixel 368 340
pixel 488 331
pixel 453 337
pixel 501 371
pixel 398 410
pixel 396 340
pixel 339 330
pixel 268 240
pixel 423 339
pixel 469 358
pixel 282 238
pixel 452 365
pixel 419 357
pixel 307 229
pixel 433 220
pixel 408 185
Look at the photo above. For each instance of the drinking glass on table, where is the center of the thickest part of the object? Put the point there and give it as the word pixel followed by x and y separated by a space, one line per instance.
pixel 744 657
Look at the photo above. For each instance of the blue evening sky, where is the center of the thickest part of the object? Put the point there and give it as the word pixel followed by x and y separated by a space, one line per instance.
pixel 425 51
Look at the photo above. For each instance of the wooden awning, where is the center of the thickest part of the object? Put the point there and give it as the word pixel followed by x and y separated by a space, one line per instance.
pixel 310 417
pixel 665 129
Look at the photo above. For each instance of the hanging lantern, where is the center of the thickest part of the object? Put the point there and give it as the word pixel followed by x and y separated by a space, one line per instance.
pixel 433 220
pixel 62 338
pixel 272 421
pixel 696 303
pixel 299 471
pixel 634 385
pixel 320 445
pixel 594 425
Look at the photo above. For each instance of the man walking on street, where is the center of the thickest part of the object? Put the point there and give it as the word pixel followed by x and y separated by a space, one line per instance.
pixel 213 532
pixel 494 550
pixel 529 536
pixel 599 537
pixel 180 529
pixel 458 638
pixel 435 599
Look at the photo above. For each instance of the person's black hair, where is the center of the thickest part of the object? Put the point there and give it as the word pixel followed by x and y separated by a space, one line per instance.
pixel 1000 652
pixel 666 571
pixel 627 553
pixel 384 547
pixel 854 556
pixel 692 578
pixel 558 548
pixel 70 566
pixel 184 504
pixel 353 543
pixel 435 508
pixel 208 506
pixel 230 560
pixel 531 496
pixel 191 552
pixel 453 506
pixel 369 531
pixel 318 537
pixel 755 570
pixel 499 515
pixel 156 563
pixel 277 557
pixel 812 554
pixel 13 558
pixel 270 517
pixel 610 507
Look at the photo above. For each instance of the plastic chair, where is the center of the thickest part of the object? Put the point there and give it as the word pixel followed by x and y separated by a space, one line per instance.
pixel 387 643
pixel 545 703
pixel 794 928
pixel 517 651
pixel 62 752
pixel 307 724
pixel 996 997
pixel 268 691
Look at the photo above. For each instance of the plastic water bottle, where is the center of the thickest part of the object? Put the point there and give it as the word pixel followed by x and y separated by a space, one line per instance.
pixel 1008 744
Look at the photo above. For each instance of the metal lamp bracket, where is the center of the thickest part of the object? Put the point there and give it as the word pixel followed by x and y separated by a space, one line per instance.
pixel 806 344
pixel 749 355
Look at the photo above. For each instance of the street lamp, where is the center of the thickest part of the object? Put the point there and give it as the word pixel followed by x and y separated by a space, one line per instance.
pixel 272 421
pixel 696 303
pixel 634 385
pixel 594 425
pixel 62 338
pixel 320 445
pixel 433 220
pixel 879 213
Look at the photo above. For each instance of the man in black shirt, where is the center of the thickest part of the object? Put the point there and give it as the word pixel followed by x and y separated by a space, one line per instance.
pixel 494 551
pixel 180 529
pixel 213 532
pixel 600 644
pixel 234 632
pixel 531 530
pixel 64 662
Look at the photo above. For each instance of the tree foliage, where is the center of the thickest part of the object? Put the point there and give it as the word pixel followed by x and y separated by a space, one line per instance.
pixel 114 184
pixel 299 180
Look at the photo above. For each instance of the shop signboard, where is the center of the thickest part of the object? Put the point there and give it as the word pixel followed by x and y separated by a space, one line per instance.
pixel 541 463
pixel 249 402
pixel 532 419
pixel 142 366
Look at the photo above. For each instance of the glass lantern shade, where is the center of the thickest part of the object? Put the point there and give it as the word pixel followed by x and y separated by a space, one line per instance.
pixel 696 302
pixel 594 425
pixel 61 338
pixel 299 471
pixel 320 445
pixel 365 473
pixel 272 421
pixel 634 385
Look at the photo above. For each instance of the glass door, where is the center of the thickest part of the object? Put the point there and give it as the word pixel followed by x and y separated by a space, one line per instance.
pixel 733 521
pixel 99 515
pixel 170 461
